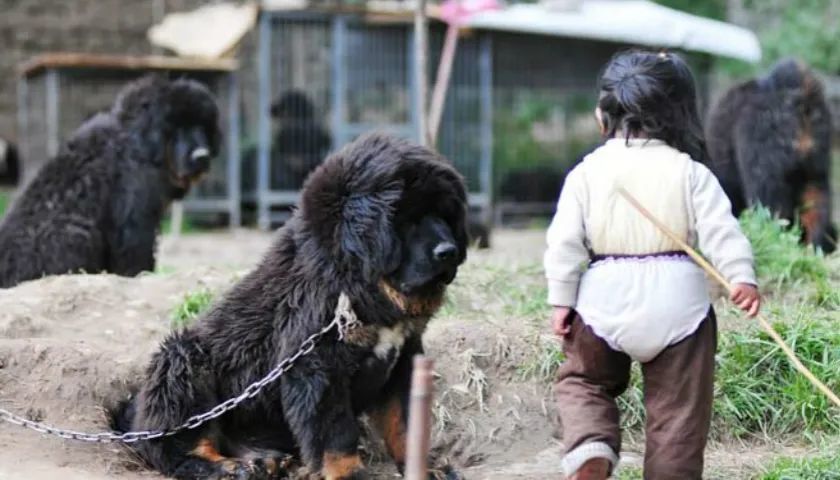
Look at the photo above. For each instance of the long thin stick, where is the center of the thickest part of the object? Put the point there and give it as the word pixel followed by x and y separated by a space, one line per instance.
pixel 705 265
pixel 419 420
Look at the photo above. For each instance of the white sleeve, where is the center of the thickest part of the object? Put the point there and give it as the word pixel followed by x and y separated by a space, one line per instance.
pixel 566 255
pixel 719 235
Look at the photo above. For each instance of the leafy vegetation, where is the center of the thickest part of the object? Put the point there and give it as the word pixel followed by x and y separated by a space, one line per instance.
pixel 816 468
pixel 194 304
pixel 4 202
pixel 782 261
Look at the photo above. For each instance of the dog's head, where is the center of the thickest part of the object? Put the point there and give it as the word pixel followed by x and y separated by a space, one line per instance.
pixel 392 214
pixel 179 123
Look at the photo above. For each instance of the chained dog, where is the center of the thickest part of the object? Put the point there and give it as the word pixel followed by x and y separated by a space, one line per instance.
pixel 381 225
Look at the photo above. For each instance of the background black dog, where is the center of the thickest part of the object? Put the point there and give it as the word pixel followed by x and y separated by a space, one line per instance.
pixel 97 206
pixel 383 222
pixel 769 142
pixel 9 163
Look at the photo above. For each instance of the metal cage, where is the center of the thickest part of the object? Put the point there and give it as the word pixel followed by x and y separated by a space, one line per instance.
pixel 325 79
pixel 58 92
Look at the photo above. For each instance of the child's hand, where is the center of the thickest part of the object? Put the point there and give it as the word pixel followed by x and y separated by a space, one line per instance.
pixel 746 297
pixel 558 321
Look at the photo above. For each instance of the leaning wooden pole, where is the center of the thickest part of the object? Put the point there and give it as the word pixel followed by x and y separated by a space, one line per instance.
pixel 712 271
pixel 444 72
pixel 419 420
pixel 421 81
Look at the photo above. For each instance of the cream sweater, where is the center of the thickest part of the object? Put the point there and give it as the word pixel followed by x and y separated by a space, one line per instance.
pixel 592 217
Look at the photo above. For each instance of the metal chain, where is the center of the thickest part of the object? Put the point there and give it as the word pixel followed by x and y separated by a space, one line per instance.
pixel 345 318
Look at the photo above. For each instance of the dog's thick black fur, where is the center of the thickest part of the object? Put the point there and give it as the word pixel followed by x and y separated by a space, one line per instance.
pixel 9 163
pixel 769 142
pixel 98 204
pixel 382 221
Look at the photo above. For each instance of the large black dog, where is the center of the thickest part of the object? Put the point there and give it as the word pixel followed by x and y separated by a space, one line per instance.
pixel 98 204
pixel 381 223
pixel 769 142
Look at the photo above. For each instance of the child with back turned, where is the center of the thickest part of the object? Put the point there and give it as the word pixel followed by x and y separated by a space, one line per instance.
pixel 623 291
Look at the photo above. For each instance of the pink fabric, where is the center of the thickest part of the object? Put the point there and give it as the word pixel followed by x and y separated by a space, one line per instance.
pixel 454 12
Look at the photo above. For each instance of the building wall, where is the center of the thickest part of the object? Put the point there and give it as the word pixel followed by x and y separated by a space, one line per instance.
pixel 32 27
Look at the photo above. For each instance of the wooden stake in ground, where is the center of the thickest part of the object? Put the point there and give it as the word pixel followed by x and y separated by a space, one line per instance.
pixel 419 420
pixel 177 219
pixel 711 270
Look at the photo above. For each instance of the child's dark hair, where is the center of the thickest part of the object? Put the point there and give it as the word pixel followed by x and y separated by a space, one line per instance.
pixel 652 94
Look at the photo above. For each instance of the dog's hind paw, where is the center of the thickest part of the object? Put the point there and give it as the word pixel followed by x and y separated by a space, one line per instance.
pixel 252 469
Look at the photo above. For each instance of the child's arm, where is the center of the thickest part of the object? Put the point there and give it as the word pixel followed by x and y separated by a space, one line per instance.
pixel 720 238
pixel 566 251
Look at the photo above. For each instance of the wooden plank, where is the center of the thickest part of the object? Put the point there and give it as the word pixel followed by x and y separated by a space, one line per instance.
pixel 69 60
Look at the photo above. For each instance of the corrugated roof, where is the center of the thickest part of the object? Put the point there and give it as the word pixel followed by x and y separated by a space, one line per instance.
pixel 626 21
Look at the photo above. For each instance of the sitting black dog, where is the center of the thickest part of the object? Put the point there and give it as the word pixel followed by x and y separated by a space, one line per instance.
pixel 381 227
pixel 98 204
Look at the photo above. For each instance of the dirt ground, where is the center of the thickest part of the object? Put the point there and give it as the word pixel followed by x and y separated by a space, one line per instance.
pixel 71 344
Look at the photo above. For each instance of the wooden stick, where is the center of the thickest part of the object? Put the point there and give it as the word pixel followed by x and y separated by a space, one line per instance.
pixel 177 223
pixel 419 420
pixel 421 52
pixel 711 270
pixel 447 58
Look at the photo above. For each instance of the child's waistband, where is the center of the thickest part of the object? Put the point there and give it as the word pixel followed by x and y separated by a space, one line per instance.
pixel 670 254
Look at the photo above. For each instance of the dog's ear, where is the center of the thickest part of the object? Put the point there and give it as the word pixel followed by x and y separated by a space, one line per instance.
pixel 348 206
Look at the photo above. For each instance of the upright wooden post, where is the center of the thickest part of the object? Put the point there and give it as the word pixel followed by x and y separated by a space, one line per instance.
pixel 419 420
pixel 421 56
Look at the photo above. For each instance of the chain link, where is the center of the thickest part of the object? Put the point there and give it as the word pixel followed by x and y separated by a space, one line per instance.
pixel 345 318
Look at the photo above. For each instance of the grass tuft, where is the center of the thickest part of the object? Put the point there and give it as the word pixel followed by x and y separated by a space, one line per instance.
pixel 194 304
pixel 816 468
pixel 757 390
pixel 780 258
pixel 5 198
pixel 543 362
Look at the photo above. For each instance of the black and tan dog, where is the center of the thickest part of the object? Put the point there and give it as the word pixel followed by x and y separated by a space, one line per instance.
pixel 382 222
pixel 769 142
pixel 97 206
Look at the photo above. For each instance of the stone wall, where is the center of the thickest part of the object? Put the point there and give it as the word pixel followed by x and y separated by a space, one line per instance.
pixel 32 27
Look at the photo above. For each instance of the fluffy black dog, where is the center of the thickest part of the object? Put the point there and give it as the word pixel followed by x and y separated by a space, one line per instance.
pixel 381 222
pixel 301 143
pixel 769 142
pixel 98 204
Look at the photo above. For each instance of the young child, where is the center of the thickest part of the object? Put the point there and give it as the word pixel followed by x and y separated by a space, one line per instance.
pixel 623 291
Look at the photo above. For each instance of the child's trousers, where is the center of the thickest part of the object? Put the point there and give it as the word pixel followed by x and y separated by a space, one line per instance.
pixel 678 386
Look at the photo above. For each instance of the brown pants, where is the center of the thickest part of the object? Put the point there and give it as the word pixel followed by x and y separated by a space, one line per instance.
pixel 678 386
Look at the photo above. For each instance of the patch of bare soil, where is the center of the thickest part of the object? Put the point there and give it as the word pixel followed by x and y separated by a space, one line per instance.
pixel 70 345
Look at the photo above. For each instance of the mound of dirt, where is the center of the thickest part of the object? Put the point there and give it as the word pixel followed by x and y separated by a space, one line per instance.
pixel 72 345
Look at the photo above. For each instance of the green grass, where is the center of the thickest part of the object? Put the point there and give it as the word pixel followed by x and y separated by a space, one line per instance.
pixel 757 391
pixel 4 202
pixel 543 362
pixel 780 259
pixel 628 473
pixel 816 468
pixel 194 304
pixel 187 226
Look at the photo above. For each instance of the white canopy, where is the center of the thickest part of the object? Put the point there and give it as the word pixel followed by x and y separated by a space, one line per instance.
pixel 636 22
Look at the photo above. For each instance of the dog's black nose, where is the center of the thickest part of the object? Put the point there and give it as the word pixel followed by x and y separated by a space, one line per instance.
pixel 445 252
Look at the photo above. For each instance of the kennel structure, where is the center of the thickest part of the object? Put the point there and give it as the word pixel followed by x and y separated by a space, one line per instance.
pixel 325 78
pixel 59 91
